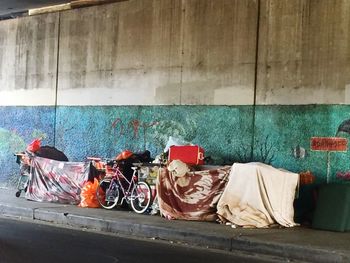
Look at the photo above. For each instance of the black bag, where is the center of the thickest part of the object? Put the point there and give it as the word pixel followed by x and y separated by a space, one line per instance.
pixel 52 153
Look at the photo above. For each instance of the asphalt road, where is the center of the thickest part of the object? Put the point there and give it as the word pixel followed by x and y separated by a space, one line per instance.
pixel 25 242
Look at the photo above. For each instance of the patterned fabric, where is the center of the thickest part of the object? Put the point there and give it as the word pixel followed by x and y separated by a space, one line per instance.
pixel 55 181
pixel 191 195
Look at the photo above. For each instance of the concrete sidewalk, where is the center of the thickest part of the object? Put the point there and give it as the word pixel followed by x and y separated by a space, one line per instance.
pixel 296 243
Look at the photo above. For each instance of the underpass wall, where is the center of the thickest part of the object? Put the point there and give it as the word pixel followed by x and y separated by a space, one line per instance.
pixel 247 80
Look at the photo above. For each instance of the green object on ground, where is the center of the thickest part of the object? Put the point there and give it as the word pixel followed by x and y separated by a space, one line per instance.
pixel 333 208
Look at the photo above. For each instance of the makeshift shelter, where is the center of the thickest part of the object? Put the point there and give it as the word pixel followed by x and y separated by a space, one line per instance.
pixel 258 195
pixel 56 181
pixel 190 195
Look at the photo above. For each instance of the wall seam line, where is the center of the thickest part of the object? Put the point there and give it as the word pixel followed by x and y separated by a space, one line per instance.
pixel 183 10
pixel 57 71
pixel 255 76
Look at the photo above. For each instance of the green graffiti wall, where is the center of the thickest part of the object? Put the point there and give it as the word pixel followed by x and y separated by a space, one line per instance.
pixel 288 129
pixel 278 135
pixel 221 131
pixel 18 127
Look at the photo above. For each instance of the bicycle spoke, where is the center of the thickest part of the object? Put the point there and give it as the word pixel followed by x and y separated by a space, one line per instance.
pixel 107 193
pixel 141 197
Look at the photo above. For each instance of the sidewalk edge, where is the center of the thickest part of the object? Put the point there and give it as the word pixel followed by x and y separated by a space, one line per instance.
pixel 123 227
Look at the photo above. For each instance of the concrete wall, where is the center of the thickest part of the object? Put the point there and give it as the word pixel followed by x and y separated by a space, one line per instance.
pixel 304 52
pixel 229 75
pixel 28 60
pixel 159 52
pixel 179 52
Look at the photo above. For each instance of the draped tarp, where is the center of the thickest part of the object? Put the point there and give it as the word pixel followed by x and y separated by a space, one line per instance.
pixel 258 195
pixel 191 195
pixel 56 181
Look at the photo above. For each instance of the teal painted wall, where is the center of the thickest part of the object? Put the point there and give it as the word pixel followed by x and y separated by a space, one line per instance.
pixel 18 127
pixel 288 130
pixel 220 130
pixel 280 134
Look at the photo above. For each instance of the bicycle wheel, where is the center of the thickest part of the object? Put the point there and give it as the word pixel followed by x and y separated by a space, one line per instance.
pixel 107 194
pixel 141 197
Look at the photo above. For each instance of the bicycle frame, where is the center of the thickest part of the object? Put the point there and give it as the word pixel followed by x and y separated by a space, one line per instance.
pixel 115 188
pixel 117 176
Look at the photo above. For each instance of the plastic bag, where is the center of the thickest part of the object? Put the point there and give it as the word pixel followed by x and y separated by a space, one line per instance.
pixel 88 195
pixel 34 145
pixel 124 155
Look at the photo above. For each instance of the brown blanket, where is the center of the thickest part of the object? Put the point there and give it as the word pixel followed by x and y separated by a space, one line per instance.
pixel 191 195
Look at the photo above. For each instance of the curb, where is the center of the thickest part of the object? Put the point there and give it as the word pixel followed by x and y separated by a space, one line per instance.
pixel 289 251
pixel 124 227
pixel 16 212
pixel 127 228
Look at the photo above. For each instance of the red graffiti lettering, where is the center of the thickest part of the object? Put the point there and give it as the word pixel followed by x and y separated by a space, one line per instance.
pixel 135 124
pixel 132 126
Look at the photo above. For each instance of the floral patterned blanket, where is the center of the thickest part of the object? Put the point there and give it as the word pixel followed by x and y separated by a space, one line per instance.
pixel 191 195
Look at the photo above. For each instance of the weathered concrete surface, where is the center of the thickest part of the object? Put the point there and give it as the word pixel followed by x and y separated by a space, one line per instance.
pixel 158 52
pixel 304 54
pixel 120 54
pixel 219 43
pixel 28 60
pixel 180 52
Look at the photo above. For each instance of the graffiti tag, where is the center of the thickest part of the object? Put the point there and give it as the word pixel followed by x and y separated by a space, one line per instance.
pixel 134 127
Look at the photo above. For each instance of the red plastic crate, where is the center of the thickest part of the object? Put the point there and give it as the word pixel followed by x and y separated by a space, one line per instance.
pixel 189 154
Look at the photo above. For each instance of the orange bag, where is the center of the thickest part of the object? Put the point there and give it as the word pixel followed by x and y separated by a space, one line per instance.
pixel 124 155
pixel 306 178
pixel 88 195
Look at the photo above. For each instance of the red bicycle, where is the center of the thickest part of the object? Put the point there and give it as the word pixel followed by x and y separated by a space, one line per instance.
pixel 116 188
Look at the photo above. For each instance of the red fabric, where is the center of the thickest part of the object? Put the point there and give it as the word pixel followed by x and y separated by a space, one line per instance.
pixel 34 145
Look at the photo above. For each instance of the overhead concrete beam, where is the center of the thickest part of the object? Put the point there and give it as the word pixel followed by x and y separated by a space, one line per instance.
pixel 85 3
pixel 49 9
pixel 70 5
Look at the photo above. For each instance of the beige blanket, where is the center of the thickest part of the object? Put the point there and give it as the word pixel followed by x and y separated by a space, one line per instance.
pixel 258 195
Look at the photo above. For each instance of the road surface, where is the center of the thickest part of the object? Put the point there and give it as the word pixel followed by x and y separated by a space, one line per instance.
pixel 26 242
